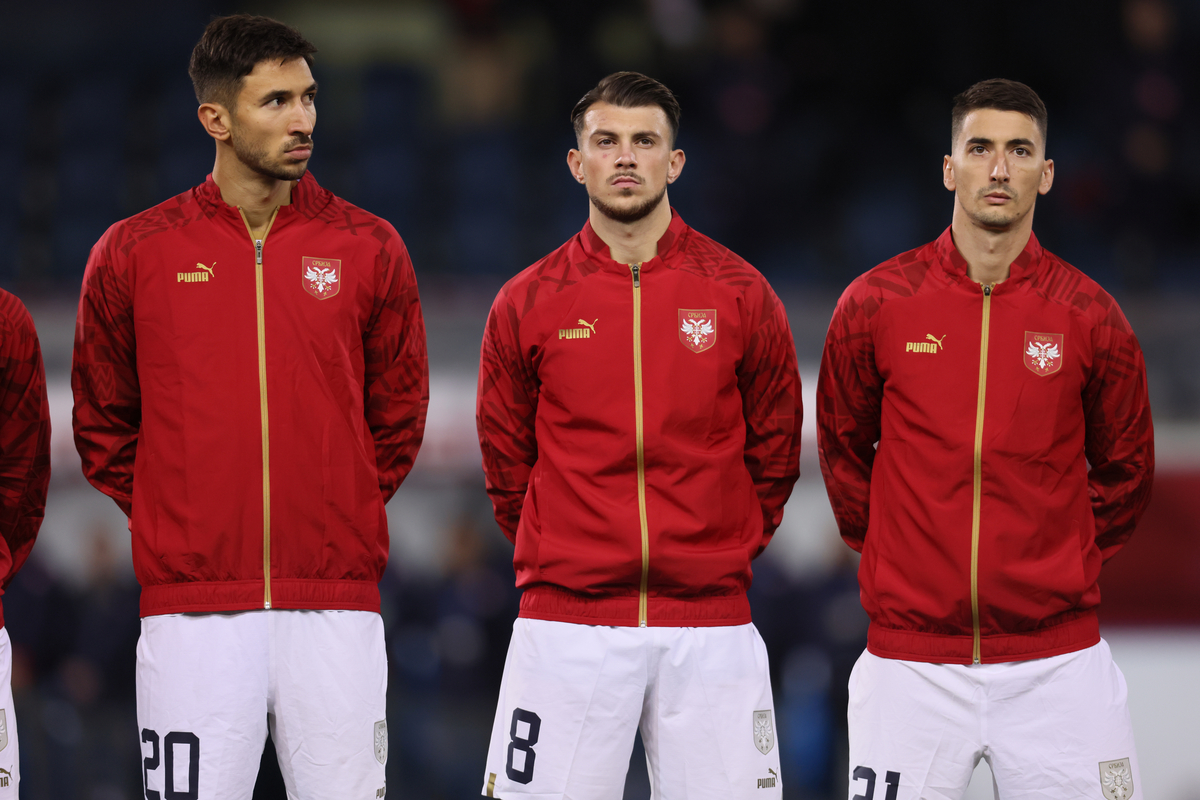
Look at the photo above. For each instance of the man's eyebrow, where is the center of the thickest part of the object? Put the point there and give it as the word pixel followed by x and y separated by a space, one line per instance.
pixel 285 93
pixel 1019 142
pixel 638 135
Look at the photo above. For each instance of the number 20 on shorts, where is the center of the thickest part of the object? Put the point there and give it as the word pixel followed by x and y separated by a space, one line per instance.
pixel 167 756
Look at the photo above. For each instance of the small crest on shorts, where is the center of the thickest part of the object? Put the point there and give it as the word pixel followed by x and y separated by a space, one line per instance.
pixel 764 731
pixel 3 730
pixel 381 741
pixel 322 276
pixel 1116 779
pixel 698 328
pixel 1043 352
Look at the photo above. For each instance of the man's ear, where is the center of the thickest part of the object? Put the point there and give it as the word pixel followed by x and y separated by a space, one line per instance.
pixel 215 119
pixel 575 164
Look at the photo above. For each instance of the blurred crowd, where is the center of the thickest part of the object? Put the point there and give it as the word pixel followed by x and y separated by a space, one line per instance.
pixel 814 132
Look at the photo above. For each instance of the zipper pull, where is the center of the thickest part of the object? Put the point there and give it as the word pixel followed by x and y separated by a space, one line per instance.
pixel 987 289
pixel 637 271
pixel 258 252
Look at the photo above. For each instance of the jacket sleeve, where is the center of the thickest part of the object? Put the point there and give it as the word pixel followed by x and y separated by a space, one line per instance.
pixel 1119 438
pixel 104 380
pixel 505 414
pixel 396 374
pixel 849 396
pixel 24 436
pixel 769 381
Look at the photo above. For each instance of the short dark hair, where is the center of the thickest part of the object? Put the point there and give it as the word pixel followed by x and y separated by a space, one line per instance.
pixel 629 90
pixel 231 46
pixel 1002 95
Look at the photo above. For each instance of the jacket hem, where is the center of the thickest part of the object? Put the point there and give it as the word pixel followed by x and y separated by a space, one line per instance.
pixel 1078 633
pixel 286 593
pixel 553 604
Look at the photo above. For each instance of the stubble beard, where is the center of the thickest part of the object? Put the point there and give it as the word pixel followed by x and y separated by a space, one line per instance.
pixel 631 213
pixel 995 219
pixel 258 159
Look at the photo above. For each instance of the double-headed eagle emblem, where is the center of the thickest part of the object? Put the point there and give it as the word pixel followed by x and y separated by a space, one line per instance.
pixel 323 279
pixel 1116 778
pixel 697 331
pixel 1043 354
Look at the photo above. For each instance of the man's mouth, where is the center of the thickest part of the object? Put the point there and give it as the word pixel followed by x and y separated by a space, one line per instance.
pixel 625 181
pixel 299 150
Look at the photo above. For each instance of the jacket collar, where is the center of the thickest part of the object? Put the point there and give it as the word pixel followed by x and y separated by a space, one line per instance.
pixel 1023 266
pixel 308 198
pixel 671 242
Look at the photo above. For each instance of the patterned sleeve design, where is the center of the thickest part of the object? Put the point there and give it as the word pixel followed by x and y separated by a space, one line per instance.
pixel 108 406
pixel 1119 441
pixel 24 434
pixel 849 397
pixel 769 381
pixel 396 390
pixel 506 409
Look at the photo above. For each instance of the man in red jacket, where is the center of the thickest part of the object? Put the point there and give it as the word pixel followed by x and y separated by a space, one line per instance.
pixel 639 415
pixel 986 441
pixel 24 477
pixel 250 387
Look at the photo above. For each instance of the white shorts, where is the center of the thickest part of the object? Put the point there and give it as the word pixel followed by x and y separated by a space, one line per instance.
pixel 1051 728
pixel 573 697
pixel 208 686
pixel 10 761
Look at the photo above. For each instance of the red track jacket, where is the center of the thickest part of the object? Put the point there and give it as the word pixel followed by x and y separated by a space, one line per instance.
pixel 640 430
pixel 981 526
pixel 24 437
pixel 251 406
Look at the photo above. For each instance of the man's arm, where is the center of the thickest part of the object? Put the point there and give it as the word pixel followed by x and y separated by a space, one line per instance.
pixel 849 395
pixel 1119 440
pixel 104 380
pixel 769 381
pixel 396 376
pixel 24 435
pixel 505 414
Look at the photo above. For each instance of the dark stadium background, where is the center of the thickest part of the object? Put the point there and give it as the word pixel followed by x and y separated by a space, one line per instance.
pixel 814 133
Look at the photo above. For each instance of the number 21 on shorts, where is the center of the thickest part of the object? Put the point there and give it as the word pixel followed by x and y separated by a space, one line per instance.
pixel 891 779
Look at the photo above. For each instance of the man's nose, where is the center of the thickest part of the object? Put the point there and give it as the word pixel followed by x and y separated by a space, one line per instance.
pixel 627 157
pixel 1000 168
pixel 302 121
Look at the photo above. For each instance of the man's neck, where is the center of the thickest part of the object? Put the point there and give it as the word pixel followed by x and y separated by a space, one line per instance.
pixel 989 253
pixel 256 195
pixel 632 242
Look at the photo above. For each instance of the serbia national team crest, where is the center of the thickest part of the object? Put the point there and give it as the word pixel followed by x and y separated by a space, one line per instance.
pixel 764 731
pixel 698 328
pixel 1116 779
pixel 1043 352
pixel 321 276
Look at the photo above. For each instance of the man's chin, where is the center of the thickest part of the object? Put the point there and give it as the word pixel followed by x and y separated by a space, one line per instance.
pixel 996 222
pixel 629 211
pixel 283 172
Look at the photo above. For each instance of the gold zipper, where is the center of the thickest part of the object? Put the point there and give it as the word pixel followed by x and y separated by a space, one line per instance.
pixel 643 591
pixel 262 398
pixel 977 498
